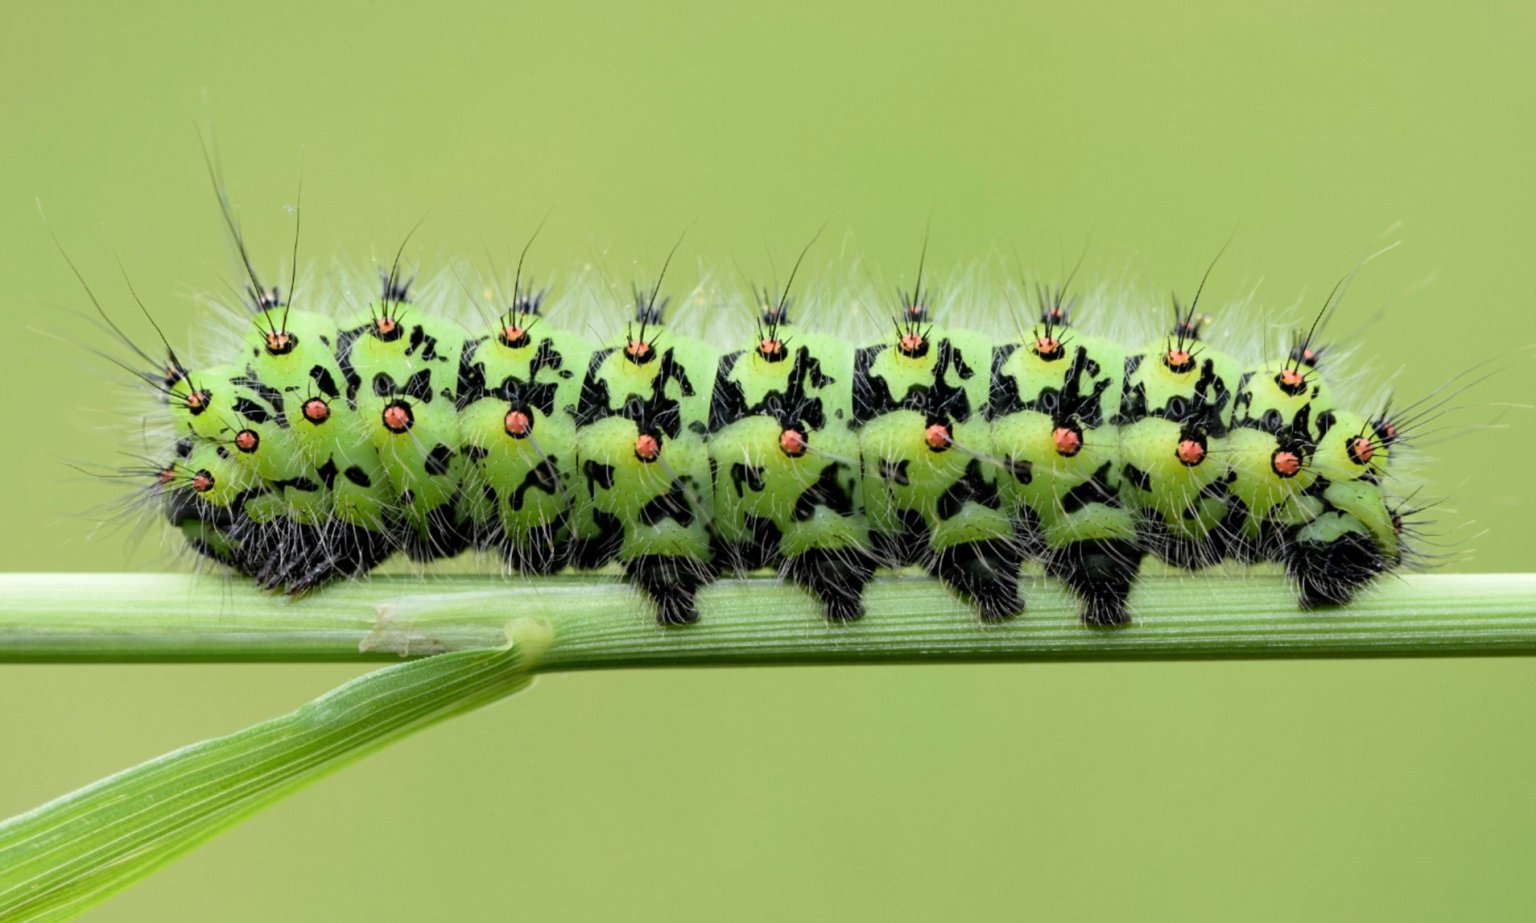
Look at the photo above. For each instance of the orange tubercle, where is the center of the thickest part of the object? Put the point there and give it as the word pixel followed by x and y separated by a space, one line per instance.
pixel 397 418
pixel 1068 441
pixel 316 410
pixel 1286 464
pixel 518 424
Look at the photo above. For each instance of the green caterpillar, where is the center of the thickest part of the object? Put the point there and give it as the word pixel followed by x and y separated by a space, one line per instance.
pixel 326 446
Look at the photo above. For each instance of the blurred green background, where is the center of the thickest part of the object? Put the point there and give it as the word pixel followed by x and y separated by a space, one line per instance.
pixel 1338 790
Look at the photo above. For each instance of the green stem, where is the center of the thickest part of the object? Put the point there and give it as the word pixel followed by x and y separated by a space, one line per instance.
pixel 494 634
pixel 78 618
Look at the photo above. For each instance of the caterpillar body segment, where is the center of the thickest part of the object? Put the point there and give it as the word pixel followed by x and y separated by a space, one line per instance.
pixel 517 388
pixel 1173 421
pixel 205 490
pixel 930 480
pixel 400 370
pixel 1053 396
pixel 785 461
pixel 328 445
pixel 1353 535
pixel 642 419
pixel 1271 457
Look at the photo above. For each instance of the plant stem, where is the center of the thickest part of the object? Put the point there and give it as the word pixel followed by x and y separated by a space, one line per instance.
pixel 67 855
pixel 85 618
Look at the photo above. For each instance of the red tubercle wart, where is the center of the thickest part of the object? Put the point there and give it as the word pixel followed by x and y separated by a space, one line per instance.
pixel 514 336
pixel 281 342
pixel 316 410
pixel 517 424
pixel 1291 381
pixel 937 437
pixel 1179 360
pixel 647 447
pixel 397 417
pixel 1068 441
pixel 1285 463
pixel 792 442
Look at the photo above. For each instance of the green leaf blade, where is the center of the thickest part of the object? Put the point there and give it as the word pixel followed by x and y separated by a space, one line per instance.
pixel 69 854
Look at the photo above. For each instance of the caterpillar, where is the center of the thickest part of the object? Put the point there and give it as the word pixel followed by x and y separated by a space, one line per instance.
pixel 330 441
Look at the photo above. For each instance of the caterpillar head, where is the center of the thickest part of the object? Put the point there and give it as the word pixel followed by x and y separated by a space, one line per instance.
pixel 206 483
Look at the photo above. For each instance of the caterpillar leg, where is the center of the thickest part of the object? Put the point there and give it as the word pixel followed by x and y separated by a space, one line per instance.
pixel 985 573
pixel 438 534
pixel 1330 571
pixel 671 582
pixel 899 538
pixel 836 577
pixel 541 550
pixel 296 558
pixel 1101 573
